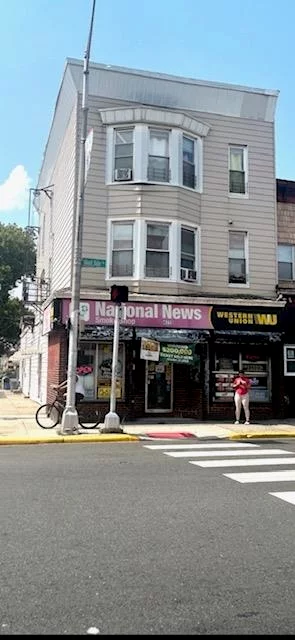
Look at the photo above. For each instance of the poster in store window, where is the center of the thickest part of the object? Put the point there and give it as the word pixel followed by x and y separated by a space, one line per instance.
pixel 104 372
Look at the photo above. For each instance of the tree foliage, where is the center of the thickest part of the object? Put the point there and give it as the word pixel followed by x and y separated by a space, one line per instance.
pixel 17 258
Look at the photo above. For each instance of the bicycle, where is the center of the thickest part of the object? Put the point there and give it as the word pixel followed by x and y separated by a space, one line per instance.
pixel 49 415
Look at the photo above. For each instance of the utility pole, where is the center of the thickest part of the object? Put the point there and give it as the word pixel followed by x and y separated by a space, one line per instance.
pixel 70 423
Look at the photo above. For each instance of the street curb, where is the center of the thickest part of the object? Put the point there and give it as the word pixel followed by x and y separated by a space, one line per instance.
pixel 264 434
pixel 110 437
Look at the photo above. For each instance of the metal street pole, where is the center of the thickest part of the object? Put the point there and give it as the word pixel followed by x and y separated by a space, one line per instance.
pixel 70 423
pixel 112 420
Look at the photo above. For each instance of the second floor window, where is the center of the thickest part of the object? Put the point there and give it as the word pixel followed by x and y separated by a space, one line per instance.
pixel 122 249
pixel 286 262
pixel 157 251
pixel 123 163
pixel 158 160
pixel 188 162
pixel 237 170
pixel 237 257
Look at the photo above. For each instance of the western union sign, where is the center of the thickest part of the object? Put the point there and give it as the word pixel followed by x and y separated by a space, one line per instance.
pixel 249 318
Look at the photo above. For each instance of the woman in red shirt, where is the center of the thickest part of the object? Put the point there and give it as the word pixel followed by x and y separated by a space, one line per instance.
pixel 241 386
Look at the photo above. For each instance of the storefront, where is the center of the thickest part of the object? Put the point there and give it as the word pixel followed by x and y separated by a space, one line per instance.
pixel 247 338
pixel 175 359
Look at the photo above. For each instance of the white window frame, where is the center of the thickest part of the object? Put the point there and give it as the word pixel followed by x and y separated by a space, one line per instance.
pixel 243 285
pixel 141 137
pixel 245 158
pixel 281 244
pixel 139 249
pixel 122 222
pixel 286 372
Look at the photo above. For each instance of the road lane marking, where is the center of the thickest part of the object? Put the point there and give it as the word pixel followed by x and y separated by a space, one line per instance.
pixel 221 445
pixel 288 496
pixel 228 452
pixel 263 476
pixel 242 462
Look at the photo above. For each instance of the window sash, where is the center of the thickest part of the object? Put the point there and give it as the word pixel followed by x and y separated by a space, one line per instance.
pixel 188 253
pixel 122 249
pixel 237 170
pixel 188 162
pixel 123 149
pixel 157 262
pixel 158 158
pixel 237 258
pixel 285 262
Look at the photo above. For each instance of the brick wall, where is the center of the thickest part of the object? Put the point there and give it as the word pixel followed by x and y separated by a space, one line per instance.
pixel 57 361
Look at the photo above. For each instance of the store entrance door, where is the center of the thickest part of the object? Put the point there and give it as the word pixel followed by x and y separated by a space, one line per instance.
pixel 158 387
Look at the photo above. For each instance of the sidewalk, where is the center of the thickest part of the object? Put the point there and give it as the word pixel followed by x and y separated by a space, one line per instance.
pixel 18 426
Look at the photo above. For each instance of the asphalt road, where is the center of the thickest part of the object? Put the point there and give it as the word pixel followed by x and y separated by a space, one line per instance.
pixel 127 540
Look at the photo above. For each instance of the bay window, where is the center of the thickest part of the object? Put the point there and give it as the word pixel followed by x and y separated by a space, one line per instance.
pixel 150 154
pixel 122 249
pixel 142 248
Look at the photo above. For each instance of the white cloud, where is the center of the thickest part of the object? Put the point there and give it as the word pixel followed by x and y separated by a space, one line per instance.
pixel 14 190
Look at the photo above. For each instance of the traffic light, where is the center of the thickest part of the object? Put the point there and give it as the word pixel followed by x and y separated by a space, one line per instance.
pixel 119 294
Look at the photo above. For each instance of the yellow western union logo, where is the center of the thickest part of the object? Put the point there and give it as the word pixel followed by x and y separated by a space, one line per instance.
pixel 242 317
pixel 266 318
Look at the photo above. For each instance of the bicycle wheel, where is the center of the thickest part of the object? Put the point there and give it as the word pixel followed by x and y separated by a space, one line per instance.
pixel 47 416
pixel 88 423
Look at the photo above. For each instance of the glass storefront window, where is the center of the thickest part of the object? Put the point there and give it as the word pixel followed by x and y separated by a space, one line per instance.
pixel 86 369
pixel 95 367
pixel 104 372
pixel 256 365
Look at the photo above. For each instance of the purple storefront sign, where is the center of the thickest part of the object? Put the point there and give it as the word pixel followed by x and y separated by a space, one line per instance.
pixel 143 314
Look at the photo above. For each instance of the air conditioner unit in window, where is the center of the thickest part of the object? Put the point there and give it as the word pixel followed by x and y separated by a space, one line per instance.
pixel 123 174
pixel 189 275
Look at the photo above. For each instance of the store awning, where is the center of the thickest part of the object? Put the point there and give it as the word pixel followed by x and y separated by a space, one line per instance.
pixel 181 336
pixel 258 337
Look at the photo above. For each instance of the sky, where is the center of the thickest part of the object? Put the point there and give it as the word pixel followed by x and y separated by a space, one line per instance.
pixel 247 42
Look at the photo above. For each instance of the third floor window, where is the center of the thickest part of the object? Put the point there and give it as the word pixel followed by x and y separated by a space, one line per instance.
pixel 286 262
pixel 238 170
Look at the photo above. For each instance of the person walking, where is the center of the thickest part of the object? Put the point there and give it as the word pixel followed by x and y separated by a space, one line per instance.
pixel 241 386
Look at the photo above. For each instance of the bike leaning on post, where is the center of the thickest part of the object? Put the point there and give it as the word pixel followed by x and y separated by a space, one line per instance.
pixel 49 415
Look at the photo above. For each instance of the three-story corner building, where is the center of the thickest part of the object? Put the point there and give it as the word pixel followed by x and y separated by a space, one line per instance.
pixel 180 205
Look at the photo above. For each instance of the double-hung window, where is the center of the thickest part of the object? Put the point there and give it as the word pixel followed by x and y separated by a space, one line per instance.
pixel 123 152
pixel 122 249
pixel 237 170
pixel 188 162
pixel 286 262
pixel 188 254
pixel 237 257
pixel 158 160
pixel 157 262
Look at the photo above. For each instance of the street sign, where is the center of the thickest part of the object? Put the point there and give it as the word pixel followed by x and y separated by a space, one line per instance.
pixel 93 262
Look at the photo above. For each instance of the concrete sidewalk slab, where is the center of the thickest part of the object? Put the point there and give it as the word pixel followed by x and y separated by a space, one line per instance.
pixel 18 426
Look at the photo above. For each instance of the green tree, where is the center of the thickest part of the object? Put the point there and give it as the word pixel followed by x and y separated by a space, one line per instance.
pixel 17 258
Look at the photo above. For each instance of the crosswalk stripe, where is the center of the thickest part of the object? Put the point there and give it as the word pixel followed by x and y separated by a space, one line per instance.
pixel 263 476
pixel 228 452
pixel 288 496
pixel 219 445
pixel 242 463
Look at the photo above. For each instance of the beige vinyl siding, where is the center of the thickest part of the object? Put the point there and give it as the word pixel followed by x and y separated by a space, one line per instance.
pixel 255 214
